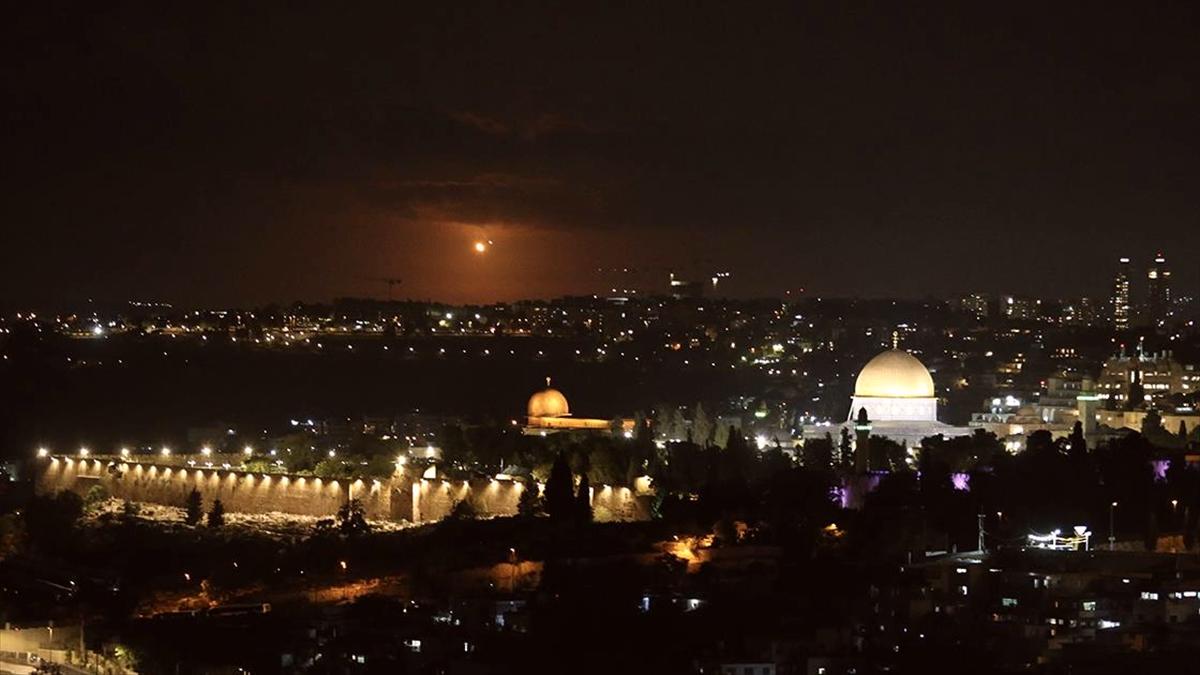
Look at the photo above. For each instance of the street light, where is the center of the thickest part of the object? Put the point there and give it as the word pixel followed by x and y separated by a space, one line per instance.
pixel 1112 537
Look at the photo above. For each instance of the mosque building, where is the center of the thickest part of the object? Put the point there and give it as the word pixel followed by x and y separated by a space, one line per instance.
pixel 894 397
pixel 549 412
pixel 897 393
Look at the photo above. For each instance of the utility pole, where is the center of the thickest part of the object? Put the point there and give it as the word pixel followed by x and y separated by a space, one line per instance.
pixel 981 546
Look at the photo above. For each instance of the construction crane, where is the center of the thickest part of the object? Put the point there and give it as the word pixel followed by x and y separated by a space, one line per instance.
pixel 391 282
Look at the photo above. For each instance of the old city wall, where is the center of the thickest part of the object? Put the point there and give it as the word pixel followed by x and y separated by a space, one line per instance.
pixel 401 498
pixel 436 498
pixel 238 491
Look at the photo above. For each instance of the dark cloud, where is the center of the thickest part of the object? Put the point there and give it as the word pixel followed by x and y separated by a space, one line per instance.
pixel 851 149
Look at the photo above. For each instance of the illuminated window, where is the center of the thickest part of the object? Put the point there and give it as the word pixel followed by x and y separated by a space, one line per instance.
pixel 1089 605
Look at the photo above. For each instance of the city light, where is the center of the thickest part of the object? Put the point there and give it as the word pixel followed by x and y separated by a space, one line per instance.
pixel 975 348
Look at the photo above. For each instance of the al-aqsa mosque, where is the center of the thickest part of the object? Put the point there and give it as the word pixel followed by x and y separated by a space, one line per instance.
pixel 548 411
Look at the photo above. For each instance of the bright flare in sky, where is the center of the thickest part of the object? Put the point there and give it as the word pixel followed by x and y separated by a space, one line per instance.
pixel 480 247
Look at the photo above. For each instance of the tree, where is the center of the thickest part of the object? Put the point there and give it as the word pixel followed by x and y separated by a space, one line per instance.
pixel 332 467
pixel 702 427
pixel 529 504
pixel 721 435
pixel 671 423
pixel 49 521
pixel 194 507
pixel 12 535
pixel 1136 394
pixel 1150 535
pixel 352 519
pixel 130 510
pixel 845 449
pixel 583 500
pixel 463 509
pixel 1151 424
pixel 96 496
pixel 1077 443
pixel 818 453
pixel 885 454
pixel 216 516
pixel 560 500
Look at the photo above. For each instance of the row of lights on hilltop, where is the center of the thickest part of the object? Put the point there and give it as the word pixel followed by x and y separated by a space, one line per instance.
pixel 164 451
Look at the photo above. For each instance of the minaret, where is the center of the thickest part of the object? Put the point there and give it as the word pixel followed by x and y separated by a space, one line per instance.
pixel 1086 403
pixel 862 442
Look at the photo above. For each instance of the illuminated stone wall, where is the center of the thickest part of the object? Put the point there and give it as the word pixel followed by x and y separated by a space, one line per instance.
pixel 238 491
pixel 401 498
pixel 437 497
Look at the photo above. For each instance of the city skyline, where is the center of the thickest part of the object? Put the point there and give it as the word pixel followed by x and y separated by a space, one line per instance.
pixel 677 338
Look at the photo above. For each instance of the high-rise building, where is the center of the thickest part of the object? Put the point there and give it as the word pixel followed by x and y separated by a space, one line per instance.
pixel 1158 291
pixel 1120 297
pixel 1020 309
pixel 1078 312
pixel 975 304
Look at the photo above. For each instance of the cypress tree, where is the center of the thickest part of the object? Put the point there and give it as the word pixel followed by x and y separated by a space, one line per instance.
pixel 195 508
pixel 216 517
pixel 1078 445
pixel 583 499
pixel 845 449
pixel 528 504
pixel 560 489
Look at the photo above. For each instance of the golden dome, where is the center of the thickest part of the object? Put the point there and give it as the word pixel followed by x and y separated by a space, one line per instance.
pixel 548 402
pixel 894 374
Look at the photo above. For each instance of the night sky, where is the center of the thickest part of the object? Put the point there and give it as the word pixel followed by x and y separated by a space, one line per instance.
pixel 247 153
